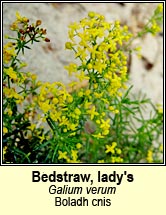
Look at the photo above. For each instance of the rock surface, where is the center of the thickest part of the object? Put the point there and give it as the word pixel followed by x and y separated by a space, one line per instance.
pixel 47 60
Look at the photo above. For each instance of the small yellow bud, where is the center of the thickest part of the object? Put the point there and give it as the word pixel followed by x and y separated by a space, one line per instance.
pixel 78 145
pixel 91 14
pixel 68 45
pixel 89 66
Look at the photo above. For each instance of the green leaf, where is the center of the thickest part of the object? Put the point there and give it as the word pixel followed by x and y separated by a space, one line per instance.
pixel 27 47
pixel 36 40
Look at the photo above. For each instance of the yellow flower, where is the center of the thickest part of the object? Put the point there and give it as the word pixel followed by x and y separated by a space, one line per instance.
pixel 114 144
pixel 159 8
pixel 81 53
pixel 161 148
pixel 9 112
pixel 73 84
pixel 72 67
pixel 45 106
pixel 23 64
pixel 116 159
pixel 34 77
pixel 93 50
pixel 69 98
pixel 99 135
pixel 89 66
pixel 74 155
pixel 116 111
pixel 72 126
pixel 82 76
pixel 11 73
pixel 64 121
pixel 42 138
pixel 105 124
pixel 14 26
pixel 92 112
pixel 11 93
pixel 20 18
pixel 149 157
pixel 62 155
pixel 98 121
pixel 87 104
pixel 32 127
pixel 5 130
pixel 118 151
pixel 8 53
pixel 4 151
pixel 159 108
pixel 117 23
pixel 77 111
pixel 105 132
pixel 55 101
pixel 72 134
pixel 78 145
pixel 98 95
pixel 138 48
pixel 113 159
pixel 111 108
pixel 87 92
pixel 65 130
pixel 74 26
pixel 155 28
pixel 80 94
pixel 100 161
pixel 95 86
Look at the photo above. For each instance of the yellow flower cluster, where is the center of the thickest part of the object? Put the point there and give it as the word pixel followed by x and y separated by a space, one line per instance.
pixel 55 101
pixel 11 73
pixel 156 19
pixel 11 93
pixel 19 19
pixel 8 52
pixel 97 44
pixel 61 121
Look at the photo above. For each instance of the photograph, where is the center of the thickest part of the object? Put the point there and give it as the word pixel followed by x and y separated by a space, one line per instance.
pixel 82 83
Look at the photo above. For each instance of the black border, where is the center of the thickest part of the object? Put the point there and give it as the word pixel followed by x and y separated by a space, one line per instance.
pixel 84 164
